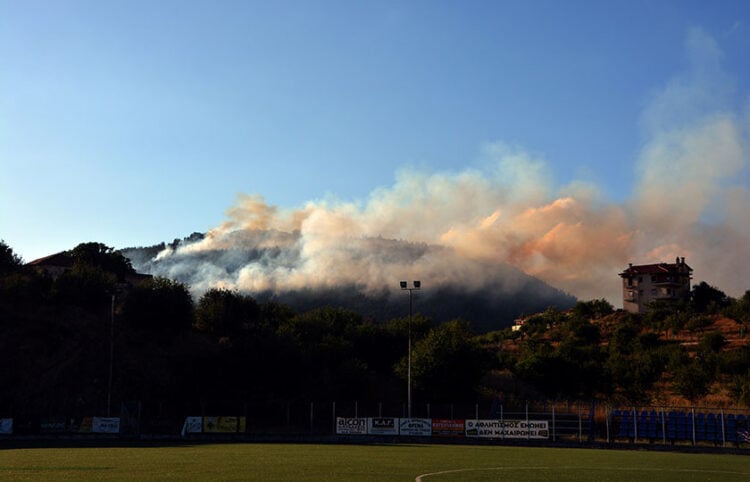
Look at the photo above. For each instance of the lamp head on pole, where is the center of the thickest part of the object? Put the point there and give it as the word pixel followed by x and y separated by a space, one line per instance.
pixel 416 284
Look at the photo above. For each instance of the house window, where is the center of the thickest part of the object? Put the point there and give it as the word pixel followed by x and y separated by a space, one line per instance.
pixel 653 291
pixel 653 279
pixel 640 279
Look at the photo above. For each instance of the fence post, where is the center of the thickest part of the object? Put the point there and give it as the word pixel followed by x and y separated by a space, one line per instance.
pixel 312 417
pixel 428 411
pixel 607 415
pixel 333 424
pixel 380 409
pixel 528 432
pixel 502 422
pixel 635 425
pixel 554 430
pixel 580 424
pixel 356 409
pixel 476 411
pixel 663 427
pixel 692 412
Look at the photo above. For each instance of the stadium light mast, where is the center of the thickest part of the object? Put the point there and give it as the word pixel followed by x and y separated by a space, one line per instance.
pixel 416 284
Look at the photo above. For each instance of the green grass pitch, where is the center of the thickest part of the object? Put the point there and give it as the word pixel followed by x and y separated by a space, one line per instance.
pixel 426 463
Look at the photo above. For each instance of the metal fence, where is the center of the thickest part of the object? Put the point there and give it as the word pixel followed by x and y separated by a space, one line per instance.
pixel 592 423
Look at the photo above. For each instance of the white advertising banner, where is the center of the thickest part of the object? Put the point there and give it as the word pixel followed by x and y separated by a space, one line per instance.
pixel 192 425
pixel 6 426
pixel 382 426
pixel 532 429
pixel 351 426
pixel 420 427
pixel 105 425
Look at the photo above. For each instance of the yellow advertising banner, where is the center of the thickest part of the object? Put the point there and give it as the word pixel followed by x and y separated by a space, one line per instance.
pixel 224 424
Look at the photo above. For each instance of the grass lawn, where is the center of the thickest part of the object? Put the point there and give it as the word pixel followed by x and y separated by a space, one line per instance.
pixel 434 463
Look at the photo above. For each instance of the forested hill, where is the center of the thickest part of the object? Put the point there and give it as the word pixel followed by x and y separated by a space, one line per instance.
pixel 63 334
pixel 496 302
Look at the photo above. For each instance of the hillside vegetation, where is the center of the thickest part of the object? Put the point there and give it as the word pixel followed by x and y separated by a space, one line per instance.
pixel 86 340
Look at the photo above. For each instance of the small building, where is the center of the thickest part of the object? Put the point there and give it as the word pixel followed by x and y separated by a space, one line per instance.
pixel 646 283
pixel 56 265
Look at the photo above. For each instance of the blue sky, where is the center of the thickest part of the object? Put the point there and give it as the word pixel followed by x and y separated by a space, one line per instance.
pixel 135 122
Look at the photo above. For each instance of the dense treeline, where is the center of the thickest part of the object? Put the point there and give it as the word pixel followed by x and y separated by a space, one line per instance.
pixel 61 335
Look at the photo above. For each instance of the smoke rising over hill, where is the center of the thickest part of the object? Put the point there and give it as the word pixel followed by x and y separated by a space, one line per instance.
pixel 479 228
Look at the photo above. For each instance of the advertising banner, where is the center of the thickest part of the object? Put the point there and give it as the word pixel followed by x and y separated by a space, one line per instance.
pixel 53 425
pixel 382 426
pixel 448 427
pixel 192 425
pixel 86 425
pixel 105 424
pixel 6 426
pixel 420 427
pixel 223 424
pixel 351 426
pixel 532 429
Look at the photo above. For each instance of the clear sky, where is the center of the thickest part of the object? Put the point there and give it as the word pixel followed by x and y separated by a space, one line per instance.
pixel 134 122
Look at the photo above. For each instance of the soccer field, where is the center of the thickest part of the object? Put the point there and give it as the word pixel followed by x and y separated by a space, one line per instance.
pixel 426 463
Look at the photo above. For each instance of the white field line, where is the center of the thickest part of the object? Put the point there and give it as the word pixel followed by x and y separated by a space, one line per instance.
pixel 420 478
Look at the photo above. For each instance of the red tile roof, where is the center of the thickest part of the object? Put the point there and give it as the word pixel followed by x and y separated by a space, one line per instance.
pixel 660 268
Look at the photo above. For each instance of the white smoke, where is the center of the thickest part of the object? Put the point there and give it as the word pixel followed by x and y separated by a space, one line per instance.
pixel 464 227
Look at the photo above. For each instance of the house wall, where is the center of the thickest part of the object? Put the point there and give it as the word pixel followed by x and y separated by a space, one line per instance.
pixel 640 289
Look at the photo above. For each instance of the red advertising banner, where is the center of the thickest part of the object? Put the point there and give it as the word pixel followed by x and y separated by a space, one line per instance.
pixel 446 427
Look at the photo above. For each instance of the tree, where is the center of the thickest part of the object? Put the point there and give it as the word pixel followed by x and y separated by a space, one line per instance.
pixel 692 380
pixel 9 261
pixel 101 256
pixel 162 306
pixel 593 309
pixel 708 299
pixel 85 285
pixel 448 363
pixel 225 312
pixel 635 361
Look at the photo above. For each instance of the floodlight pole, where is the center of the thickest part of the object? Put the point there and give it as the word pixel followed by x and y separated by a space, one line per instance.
pixel 415 286
pixel 111 355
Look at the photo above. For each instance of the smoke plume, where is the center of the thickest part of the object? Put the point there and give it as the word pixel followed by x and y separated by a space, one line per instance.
pixel 463 228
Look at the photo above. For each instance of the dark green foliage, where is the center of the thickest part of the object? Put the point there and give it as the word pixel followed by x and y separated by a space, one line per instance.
pixel 593 309
pixel 708 299
pixel 161 306
pixel 226 313
pixel 9 261
pixel 103 257
pixel 85 285
pixel 636 360
pixel 692 379
pixel 739 310
pixel 448 363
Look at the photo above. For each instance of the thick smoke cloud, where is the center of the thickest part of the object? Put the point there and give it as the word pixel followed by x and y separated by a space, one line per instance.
pixel 467 227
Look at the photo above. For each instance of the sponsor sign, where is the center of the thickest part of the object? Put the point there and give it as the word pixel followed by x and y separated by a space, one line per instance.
pixel 6 426
pixel 223 424
pixel 86 425
pixel 534 429
pixel 351 426
pixel 192 425
pixel 53 425
pixel 421 427
pixel 382 426
pixel 448 427
pixel 105 424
